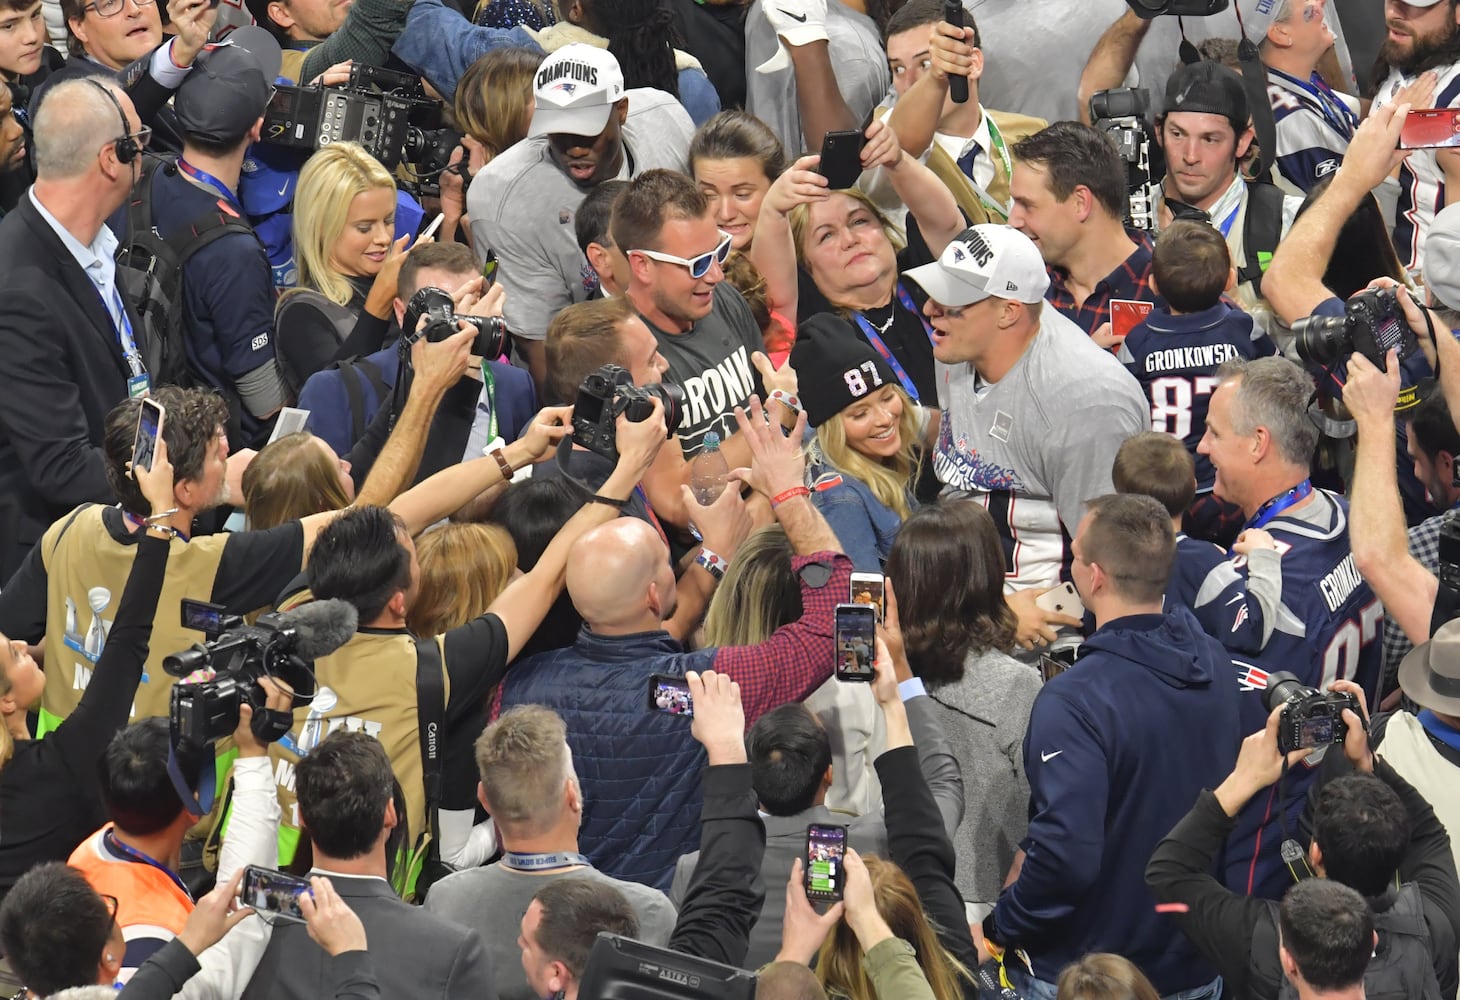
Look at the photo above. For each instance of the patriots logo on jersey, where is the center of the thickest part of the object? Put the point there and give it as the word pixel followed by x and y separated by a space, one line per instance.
pixel 1241 618
pixel 1252 677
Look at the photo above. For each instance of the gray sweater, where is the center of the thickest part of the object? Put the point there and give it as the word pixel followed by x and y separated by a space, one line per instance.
pixel 998 689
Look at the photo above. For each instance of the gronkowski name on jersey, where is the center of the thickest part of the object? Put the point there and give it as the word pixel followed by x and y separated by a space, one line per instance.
pixel 1314 128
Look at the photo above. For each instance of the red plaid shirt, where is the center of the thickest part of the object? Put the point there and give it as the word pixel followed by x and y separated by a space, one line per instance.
pixel 1131 280
pixel 799 657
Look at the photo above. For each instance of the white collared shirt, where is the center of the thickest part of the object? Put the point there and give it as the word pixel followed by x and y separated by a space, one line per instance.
pixel 97 260
pixel 956 146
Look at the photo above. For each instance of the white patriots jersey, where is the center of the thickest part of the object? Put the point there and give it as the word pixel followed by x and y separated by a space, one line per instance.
pixel 1314 128
pixel 1421 183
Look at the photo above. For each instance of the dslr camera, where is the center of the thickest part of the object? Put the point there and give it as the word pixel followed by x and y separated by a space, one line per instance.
pixel 1372 324
pixel 610 391
pixel 1123 114
pixel 1310 718
pixel 1149 9
pixel 441 322
pixel 238 654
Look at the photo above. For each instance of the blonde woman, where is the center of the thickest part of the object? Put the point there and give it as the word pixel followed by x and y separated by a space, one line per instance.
pixel 463 569
pixel 344 225
pixel 864 459
pixel 295 476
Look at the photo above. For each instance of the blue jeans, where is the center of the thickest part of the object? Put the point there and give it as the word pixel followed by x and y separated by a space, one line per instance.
pixel 1037 989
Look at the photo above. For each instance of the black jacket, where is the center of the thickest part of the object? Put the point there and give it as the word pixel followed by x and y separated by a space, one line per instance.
pixel 64 371
pixel 148 96
pixel 1221 923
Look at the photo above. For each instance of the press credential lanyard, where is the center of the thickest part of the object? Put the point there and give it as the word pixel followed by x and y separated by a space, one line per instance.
pixel 875 339
pixel 1270 510
pixel 543 862
pixel 997 141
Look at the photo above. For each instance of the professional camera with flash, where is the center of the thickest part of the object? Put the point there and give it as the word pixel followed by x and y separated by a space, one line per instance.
pixel 610 391
pixel 237 655
pixel 1310 718
pixel 1372 324
pixel 439 309
pixel 1123 115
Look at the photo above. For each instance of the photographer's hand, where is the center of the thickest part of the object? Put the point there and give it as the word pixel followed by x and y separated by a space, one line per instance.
pixel 862 914
pixel 541 436
pixel 192 20
pixel 719 717
pixel 638 444
pixel 1258 765
pixel 441 365
pixel 213 916
pixel 379 301
pixel 336 76
pixel 1356 737
pixel 951 51
pixel 489 303
pixel 279 697
pixel 890 632
pixel 881 148
pixel 724 524
pixel 1373 152
pixel 799 185
pixel 329 920
pixel 1369 394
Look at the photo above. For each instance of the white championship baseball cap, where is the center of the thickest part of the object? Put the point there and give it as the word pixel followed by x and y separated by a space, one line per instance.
pixel 575 88
pixel 984 261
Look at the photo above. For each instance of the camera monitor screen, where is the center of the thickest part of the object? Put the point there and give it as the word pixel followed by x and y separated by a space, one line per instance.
pixel 621 968
pixel 1316 732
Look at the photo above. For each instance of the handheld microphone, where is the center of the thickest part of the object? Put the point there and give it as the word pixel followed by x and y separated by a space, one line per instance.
pixel 957 85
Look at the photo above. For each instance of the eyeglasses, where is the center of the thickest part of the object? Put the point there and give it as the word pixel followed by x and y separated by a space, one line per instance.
pixel 109 8
pixel 699 266
pixel 141 137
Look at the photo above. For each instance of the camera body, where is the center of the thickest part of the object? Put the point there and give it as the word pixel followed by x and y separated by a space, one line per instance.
pixel 237 654
pixel 609 392
pixel 1309 718
pixel 428 150
pixel 1123 114
pixel 441 321
pixel 1148 9
pixel 1372 324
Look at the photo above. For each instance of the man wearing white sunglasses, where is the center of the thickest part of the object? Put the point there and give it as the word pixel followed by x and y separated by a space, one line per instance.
pixel 705 329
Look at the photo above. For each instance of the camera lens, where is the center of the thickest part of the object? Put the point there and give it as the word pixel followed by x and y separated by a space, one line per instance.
pixel 1322 340
pixel 186 662
pixel 1281 687
pixel 673 398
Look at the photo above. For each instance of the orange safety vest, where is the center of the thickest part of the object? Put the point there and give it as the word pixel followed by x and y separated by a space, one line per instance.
pixel 150 903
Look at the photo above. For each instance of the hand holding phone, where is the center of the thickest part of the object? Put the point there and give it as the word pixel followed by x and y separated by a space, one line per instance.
pixel 273 893
pixel 825 862
pixel 669 693
pixel 1062 600
pixel 150 415
pixel 1433 128
pixel 867 588
pixel 855 642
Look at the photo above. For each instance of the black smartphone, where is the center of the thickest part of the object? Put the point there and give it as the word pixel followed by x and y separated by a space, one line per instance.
pixel 957 85
pixel 825 862
pixel 856 642
pixel 841 158
pixel 273 893
pixel 149 425
pixel 489 270
pixel 669 693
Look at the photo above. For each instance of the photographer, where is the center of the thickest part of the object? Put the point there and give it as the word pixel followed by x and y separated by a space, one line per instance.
pixel 1370 831
pixel 1327 940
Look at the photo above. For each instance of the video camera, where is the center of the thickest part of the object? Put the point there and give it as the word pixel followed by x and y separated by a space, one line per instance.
pixel 237 655
pixel 1310 718
pixel 386 112
pixel 1123 114
pixel 1147 10
pixel 1372 324
pixel 610 391
pixel 441 320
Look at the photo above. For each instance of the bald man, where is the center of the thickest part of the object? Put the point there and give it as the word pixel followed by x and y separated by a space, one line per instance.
pixel 66 329
pixel 639 768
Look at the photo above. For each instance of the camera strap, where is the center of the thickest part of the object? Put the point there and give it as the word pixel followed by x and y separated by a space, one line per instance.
pixel 431 718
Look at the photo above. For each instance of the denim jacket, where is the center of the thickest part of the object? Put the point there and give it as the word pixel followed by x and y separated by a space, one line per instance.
pixel 863 524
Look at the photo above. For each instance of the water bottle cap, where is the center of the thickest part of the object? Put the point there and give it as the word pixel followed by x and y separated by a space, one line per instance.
pixel 712 439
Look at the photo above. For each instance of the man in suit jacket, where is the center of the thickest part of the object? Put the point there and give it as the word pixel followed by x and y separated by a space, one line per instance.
pixel 790 763
pixel 344 789
pixel 968 146
pixel 65 331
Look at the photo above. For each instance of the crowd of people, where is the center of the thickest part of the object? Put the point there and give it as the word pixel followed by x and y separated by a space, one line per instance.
pixel 790 498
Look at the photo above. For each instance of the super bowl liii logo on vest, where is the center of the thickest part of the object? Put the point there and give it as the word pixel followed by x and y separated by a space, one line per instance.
pixel 581 72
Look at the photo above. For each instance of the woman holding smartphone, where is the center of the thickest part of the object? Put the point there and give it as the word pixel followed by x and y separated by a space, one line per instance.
pixel 47 787
pixel 864 459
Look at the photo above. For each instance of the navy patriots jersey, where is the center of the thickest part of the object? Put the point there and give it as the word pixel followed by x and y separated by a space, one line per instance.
pixel 1314 126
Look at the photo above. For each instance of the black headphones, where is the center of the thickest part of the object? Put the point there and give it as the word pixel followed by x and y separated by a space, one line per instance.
pixel 127 146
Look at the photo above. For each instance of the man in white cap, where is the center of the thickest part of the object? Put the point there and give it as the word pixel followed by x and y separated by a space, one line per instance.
pixel 587 128
pixel 1032 411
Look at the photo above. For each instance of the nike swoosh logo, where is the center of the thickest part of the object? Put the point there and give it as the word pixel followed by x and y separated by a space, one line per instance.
pixel 284 190
pixel 795 17
pixel 1047 757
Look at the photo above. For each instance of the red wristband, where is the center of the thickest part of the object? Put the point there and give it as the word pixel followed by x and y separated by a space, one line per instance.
pixel 794 491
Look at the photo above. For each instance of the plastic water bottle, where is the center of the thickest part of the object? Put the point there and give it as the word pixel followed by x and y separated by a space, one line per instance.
pixel 708 472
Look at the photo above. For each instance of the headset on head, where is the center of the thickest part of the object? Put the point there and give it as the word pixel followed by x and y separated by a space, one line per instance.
pixel 127 146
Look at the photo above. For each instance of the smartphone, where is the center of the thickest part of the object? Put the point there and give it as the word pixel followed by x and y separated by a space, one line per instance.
pixel 1437 127
pixel 856 642
pixel 1126 315
pixel 290 420
pixel 669 693
pixel 825 870
pixel 149 425
pixel 489 270
pixel 841 158
pixel 1062 600
pixel 957 85
pixel 1050 668
pixel 867 588
pixel 273 893
pixel 430 230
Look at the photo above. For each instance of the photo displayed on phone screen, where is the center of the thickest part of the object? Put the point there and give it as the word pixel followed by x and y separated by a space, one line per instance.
pixel 670 694
pixel 826 851
pixel 866 588
pixel 149 425
pixel 272 893
pixel 856 641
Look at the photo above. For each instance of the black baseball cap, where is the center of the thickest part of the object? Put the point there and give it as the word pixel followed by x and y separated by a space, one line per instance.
pixel 836 367
pixel 229 86
pixel 1208 88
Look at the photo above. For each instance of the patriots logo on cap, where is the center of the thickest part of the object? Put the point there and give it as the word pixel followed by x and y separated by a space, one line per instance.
pixel 958 253
pixel 566 86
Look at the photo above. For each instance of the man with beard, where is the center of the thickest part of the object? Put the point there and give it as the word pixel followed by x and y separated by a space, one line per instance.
pixel 586 129
pixel 1424 35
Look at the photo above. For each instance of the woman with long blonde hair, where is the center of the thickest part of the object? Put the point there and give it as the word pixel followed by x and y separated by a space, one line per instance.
pixel 293 477
pixel 864 459
pixel 463 569
pixel 348 259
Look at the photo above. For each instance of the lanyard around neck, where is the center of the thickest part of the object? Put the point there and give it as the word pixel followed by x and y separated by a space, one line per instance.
pixel 1270 510
pixel 874 338
pixel 543 862
pixel 135 856
pixel 207 179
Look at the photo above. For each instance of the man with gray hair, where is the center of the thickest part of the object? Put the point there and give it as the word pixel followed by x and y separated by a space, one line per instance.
pixel 66 332
pixel 530 788
pixel 1324 623
pixel 1314 122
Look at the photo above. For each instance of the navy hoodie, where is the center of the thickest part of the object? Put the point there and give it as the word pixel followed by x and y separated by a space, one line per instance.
pixel 1116 751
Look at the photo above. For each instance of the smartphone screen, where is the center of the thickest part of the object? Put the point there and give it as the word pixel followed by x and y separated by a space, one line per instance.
pixel 1429 129
pixel 670 694
pixel 1050 668
pixel 1126 315
pixel 826 850
pixel 149 425
pixel 856 642
pixel 272 893
pixel 866 588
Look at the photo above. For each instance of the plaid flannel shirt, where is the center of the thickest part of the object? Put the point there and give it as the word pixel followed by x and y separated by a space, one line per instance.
pixel 1131 280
